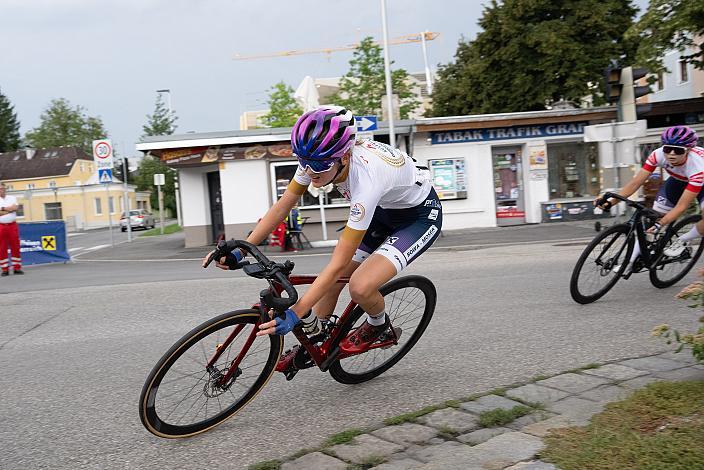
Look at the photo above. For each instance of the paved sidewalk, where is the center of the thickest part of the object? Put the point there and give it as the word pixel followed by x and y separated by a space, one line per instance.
pixel 172 246
pixel 451 437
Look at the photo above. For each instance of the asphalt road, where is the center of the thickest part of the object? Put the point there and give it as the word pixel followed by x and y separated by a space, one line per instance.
pixel 73 359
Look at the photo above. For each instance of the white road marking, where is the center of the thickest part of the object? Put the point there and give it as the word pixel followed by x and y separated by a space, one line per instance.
pixel 74 249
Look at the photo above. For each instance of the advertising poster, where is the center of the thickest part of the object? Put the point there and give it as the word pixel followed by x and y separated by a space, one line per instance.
pixel 448 178
pixel 538 158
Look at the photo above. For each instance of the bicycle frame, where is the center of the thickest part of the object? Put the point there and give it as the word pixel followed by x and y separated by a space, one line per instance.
pixel 323 355
pixel 651 251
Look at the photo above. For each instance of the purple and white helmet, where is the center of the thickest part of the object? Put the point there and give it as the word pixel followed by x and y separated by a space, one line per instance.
pixel 681 136
pixel 321 136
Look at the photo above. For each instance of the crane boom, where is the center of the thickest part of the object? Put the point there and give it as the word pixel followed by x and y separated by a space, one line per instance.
pixel 407 39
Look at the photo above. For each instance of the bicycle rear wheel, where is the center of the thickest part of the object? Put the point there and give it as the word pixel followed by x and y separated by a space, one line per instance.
pixel 410 303
pixel 181 398
pixel 594 275
pixel 670 270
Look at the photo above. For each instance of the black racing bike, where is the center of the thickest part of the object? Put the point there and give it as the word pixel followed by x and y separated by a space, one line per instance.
pixel 607 257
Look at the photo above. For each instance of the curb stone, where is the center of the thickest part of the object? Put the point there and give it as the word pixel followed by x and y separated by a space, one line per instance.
pixel 451 438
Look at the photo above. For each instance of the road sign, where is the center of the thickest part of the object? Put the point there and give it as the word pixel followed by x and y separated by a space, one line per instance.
pixel 365 136
pixel 159 179
pixel 102 153
pixel 105 175
pixel 366 123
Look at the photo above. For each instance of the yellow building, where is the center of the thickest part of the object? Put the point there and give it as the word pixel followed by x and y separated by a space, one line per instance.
pixel 62 184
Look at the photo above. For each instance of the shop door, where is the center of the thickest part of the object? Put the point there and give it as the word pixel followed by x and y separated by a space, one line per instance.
pixel 508 186
pixel 218 225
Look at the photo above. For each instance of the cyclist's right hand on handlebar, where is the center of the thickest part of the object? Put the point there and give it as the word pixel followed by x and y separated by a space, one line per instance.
pixel 228 262
pixel 602 203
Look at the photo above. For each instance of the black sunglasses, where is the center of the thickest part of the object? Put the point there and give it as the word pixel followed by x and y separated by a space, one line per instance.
pixel 674 149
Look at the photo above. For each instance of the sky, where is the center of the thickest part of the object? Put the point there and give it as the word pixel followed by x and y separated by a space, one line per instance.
pixel 110 56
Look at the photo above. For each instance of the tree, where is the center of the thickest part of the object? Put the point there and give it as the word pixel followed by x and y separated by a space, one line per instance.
pixel 283 108
pixel 162 121
pixel 148 167
pixel 363 86
pixel 532 53
pixel 670 25
pixel 62 124
pixel 9 126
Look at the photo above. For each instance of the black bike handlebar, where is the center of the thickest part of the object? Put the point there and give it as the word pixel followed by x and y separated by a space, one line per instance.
pixel 649 213
pixel 278 303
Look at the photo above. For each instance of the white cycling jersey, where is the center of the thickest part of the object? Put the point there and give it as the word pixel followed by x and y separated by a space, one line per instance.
pixel 691 171
pixel 379 175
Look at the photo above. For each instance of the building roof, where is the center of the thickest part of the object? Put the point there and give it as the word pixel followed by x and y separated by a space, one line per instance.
pixel 251 136
pixel 39 163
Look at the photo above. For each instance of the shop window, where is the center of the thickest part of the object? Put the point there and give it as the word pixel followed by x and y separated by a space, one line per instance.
pixel 52 211
pixel 20 210
pixel 573 170
pixel 684 72
pixel 98 206
pixel 283 174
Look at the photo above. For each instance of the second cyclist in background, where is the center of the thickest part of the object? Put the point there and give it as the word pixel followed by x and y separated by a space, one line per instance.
pixel 684 163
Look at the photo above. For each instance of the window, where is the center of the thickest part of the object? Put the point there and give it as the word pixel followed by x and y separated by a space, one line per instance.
pixel 573 170
pixel 684 73
pixel 82 167
pixel 30 186
pixel 52 184
pixel 282 174
pixel 111 205
pixel 52 211
pixel 9 187
pixel 20 210
pixel 98 206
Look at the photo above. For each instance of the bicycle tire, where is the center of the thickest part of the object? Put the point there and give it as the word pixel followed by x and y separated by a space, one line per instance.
pixel 149 400
pixel 341 370
pixel 603 271
pixel 657 277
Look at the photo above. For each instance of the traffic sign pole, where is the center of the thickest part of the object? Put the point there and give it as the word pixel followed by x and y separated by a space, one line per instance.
pixel 127 200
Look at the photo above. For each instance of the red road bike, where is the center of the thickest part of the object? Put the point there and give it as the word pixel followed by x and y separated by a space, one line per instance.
pixel 216 369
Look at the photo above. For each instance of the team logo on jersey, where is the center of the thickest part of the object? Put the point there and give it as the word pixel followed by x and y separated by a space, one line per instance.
pixel 356 212
pixel 386 153
pixel 391 240
pixel 433 214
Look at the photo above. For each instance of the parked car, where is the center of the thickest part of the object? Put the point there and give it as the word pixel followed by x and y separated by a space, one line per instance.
pixel 138 218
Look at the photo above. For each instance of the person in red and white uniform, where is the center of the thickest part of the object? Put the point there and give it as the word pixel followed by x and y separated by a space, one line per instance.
pixel 9 234
pixel 683 161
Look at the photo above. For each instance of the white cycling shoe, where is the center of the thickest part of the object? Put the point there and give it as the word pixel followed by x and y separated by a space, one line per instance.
pixel 675 249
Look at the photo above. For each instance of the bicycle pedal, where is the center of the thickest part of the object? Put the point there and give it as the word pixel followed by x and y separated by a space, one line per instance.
pixel 290 374
pixel 391 335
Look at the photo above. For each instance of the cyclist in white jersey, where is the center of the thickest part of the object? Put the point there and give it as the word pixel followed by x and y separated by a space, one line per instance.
pixel 684 163
pixel 395 215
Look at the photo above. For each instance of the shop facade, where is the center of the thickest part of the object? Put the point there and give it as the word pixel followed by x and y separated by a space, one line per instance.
pixel 513 168
pixel 228 180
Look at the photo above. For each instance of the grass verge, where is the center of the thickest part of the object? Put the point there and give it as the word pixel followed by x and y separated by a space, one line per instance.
pixel 173 228
pixel 660 426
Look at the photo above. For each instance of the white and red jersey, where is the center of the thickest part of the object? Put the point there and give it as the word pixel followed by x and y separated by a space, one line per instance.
pixel 691 171
pixel 379 175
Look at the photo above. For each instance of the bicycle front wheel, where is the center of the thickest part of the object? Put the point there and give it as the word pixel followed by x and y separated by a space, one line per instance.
pixel 410 303
pixel 182 397
pixel 671 269
pixel 594 274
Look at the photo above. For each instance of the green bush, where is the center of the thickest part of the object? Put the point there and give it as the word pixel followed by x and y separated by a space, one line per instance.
pixel 695 293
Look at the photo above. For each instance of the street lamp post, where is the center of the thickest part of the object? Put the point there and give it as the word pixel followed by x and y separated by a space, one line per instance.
pixel 387 73
pixel 168 102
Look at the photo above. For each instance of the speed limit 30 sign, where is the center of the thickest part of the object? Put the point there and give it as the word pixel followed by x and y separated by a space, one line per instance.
pixel 102 154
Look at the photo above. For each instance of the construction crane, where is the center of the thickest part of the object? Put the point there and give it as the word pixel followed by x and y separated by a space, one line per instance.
pixel 407 39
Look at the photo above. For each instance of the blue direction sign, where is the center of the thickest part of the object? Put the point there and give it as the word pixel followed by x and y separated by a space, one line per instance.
pixel 105 175
pixel 366 123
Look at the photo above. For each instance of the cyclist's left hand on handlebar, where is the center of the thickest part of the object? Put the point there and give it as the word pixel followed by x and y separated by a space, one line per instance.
pixel 280 326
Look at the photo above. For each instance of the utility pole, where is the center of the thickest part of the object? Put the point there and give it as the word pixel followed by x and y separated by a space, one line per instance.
pixel 126 197
pixel 387 73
